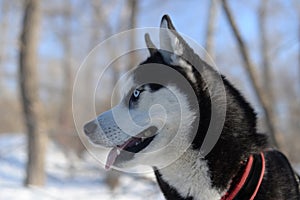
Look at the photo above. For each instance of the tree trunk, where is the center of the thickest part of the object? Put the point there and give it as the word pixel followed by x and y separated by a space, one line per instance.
pixel 265 50
pixel 260 95
pixel 211 26
pixel 4 30
pixel 133 7
pixel 65 118
pixel 266 66
pixel 32 109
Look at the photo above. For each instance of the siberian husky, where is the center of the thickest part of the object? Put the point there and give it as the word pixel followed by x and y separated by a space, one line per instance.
pixel 170 97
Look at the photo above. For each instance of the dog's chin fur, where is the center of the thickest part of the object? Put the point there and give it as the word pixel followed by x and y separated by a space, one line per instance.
pixel 175 153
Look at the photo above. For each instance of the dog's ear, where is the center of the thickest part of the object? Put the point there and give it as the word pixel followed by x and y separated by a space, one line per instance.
pixel 174 49
pixel 151 47
pixel 170 40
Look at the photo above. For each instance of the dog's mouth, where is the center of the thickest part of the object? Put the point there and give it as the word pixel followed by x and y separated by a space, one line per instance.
pixel 132 145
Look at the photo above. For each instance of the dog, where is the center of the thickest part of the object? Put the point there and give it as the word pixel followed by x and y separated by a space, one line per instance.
pixel 173 97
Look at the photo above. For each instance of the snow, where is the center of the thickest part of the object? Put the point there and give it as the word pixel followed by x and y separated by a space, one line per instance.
pixel 85 180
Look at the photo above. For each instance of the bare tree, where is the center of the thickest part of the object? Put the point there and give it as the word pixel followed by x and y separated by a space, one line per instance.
pixel 266 65
pixel 65 113
pixel 211 26
pixel 130 7
pixel 133 7
pixel 259 92
pixel 36 133
pixel 267 71
pixel 4 31
pixel 66 134
pixel 264 50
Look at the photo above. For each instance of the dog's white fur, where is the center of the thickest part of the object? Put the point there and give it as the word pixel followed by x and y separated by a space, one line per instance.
pixel 195 170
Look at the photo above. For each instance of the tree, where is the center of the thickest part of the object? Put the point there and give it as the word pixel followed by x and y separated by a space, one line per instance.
pixel 264 50
pixel 266 64
pixel 28 81
pixel 250 68
pixel 133 7
pixel 65 117
pixel 211 26
pixel 4 31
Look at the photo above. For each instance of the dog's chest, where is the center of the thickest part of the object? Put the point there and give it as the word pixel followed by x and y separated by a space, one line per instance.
pixel 189 176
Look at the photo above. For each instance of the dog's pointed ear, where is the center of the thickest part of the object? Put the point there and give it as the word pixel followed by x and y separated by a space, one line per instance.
pixel 174 49
pixel 151 47
pixel 170 40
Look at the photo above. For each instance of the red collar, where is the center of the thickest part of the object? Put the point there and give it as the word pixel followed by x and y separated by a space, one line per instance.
pixel 250 181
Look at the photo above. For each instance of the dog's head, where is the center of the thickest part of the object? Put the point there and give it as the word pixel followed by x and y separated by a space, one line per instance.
pixel 158 116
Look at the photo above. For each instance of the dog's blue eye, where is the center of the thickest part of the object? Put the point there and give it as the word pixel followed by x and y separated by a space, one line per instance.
pixel 136 93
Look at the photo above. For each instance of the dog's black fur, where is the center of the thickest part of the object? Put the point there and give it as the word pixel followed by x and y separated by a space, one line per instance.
pixel 239 138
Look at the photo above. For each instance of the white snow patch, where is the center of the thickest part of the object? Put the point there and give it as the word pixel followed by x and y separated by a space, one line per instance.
pixel 85 180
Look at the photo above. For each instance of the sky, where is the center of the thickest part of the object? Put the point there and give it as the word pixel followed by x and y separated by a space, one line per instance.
pixel 190 18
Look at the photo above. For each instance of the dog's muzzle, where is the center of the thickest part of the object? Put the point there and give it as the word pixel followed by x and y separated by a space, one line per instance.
pixel 115 131
pixel 107 130
pixel 116 126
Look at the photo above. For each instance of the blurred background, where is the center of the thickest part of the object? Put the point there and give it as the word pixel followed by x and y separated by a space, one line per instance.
pixel 256 44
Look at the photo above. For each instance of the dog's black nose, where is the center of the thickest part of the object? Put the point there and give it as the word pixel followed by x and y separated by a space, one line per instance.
pixel 90 127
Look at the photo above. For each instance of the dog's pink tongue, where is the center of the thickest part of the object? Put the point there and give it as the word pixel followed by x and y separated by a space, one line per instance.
pixel 112 155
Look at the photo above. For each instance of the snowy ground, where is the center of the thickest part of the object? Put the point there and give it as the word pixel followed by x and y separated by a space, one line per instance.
pixel 85 181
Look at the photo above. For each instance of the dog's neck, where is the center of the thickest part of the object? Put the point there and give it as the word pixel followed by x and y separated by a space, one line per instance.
pixel 188 178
